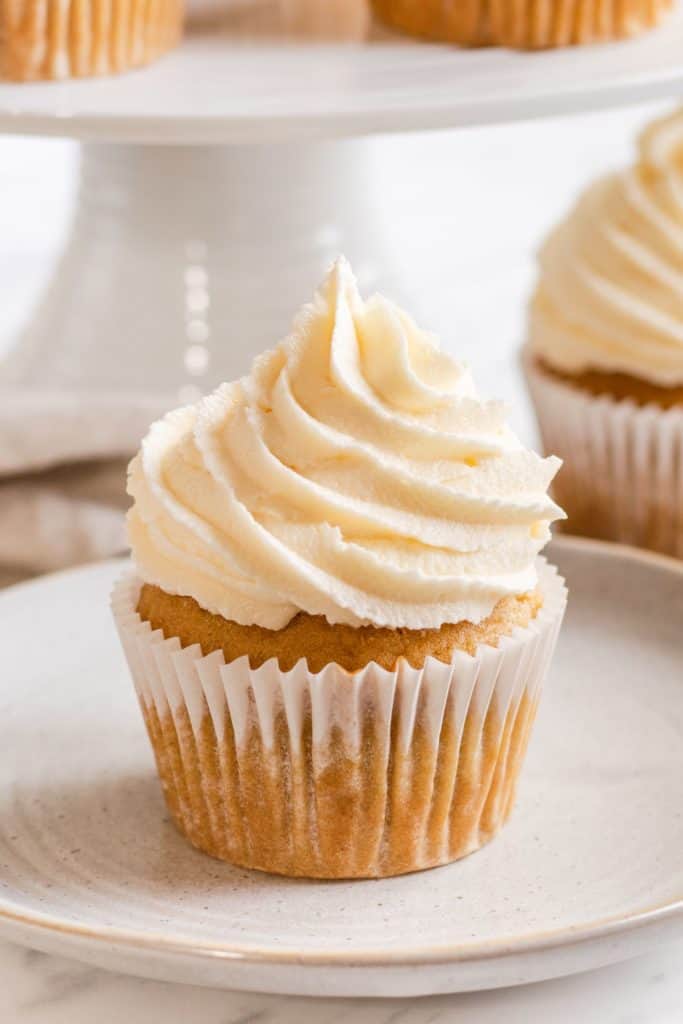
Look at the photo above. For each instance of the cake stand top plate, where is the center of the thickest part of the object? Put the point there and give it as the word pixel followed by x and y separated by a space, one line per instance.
pixel 254 79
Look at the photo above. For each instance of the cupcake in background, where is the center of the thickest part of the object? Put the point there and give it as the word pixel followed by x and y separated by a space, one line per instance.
pixel 56 39
pixel 338 625
pixel 604 360
pixel 526 25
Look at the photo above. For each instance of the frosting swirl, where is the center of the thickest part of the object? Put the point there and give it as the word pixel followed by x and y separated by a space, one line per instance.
pixel 610 294
pixel 353 474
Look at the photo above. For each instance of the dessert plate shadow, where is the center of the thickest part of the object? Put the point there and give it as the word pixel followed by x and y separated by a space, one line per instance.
pixel 588 871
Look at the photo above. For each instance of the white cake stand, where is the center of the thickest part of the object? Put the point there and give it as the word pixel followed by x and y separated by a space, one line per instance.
pixel 216 186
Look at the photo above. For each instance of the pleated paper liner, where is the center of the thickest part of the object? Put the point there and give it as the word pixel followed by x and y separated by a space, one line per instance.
pixel 53 39
pixel 622 477
pixel 336 774
pixel 523 24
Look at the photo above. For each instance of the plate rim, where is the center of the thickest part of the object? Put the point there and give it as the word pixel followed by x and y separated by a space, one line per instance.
pixel 258 955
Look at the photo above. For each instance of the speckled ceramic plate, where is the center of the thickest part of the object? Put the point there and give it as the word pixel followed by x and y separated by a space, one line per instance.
pixel 588 871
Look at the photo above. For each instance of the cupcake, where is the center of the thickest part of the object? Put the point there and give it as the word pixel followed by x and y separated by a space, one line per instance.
pixel 338 623
pixel 524 25
pixel 47 39
pixel 604 359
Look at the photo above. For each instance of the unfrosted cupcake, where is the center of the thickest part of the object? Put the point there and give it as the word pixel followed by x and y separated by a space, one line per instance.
pixel 338 626
pixel 525 24
pixel 605 354
pixel 47 39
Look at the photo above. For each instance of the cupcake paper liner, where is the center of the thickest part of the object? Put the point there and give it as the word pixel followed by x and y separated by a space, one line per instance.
pixel 337 774
pixel 622 477
pixel 48 39
pixel 526 24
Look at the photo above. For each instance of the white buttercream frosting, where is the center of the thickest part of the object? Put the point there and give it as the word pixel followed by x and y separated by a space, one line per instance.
pixel 610 293
pixel 354 474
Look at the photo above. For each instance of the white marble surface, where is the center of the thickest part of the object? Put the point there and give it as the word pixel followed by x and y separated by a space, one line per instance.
pixel 39 989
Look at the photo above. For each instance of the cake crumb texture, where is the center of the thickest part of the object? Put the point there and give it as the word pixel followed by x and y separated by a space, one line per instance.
pixel 620 387
pixel 313 638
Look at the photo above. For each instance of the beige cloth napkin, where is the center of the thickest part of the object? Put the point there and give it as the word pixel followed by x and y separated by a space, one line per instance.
pixel 61 517
pixel 63 459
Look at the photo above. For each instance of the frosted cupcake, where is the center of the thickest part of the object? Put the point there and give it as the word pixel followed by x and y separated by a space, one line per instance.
pixel 525 25
pixel 338 626
pixel 44 39
pixel 605 354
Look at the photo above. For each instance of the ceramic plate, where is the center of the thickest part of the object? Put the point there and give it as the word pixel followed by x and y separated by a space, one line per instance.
pixel 589 869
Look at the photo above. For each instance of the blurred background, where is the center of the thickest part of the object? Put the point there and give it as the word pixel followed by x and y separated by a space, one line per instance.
pixel 460 213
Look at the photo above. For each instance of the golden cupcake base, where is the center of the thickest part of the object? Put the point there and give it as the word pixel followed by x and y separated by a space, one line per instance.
pixel 313 638
pixel 325 814
pixel 56 39
pixel 338 774
pixel 522 24
pixel 621 387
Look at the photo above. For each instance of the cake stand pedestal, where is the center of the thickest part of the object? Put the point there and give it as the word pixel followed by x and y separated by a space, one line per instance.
pixel 185 261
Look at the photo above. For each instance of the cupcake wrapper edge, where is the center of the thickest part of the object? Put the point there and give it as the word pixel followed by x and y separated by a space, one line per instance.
pixel 336 774
pixel 622 473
